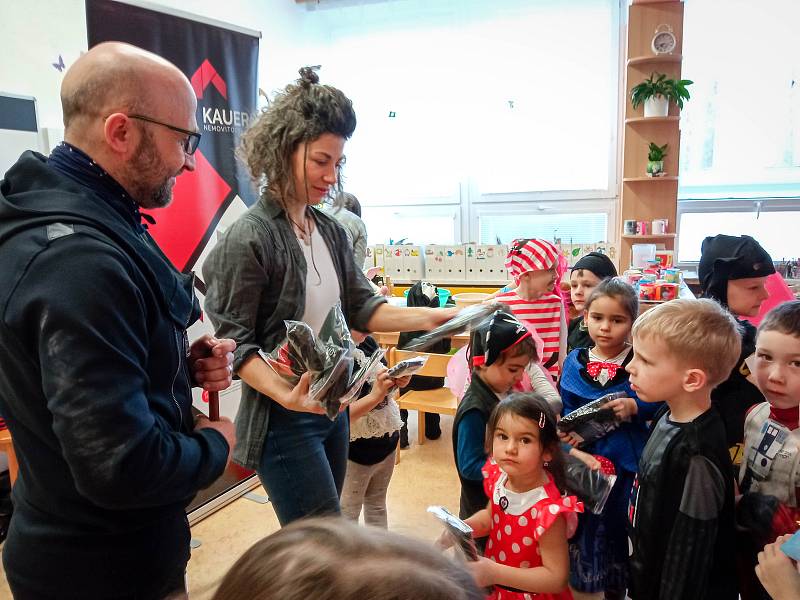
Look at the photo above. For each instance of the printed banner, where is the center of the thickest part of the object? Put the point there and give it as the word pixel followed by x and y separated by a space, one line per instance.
pixel 222 66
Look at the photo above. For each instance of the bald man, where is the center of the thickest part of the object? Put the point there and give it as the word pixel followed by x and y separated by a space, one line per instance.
pixel 95 368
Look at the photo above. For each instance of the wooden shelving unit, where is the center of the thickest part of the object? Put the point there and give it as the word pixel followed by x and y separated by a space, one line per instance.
pixel 651 120
pixel 654 59
pixel 645 179
pixel 650 236
pixel 645 198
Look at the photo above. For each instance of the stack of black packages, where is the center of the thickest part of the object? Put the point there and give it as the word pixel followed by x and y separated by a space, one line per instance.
pixel 423 294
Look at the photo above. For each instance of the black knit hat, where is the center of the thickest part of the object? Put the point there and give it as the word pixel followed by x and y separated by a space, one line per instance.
pixel 727 257
pixel 494 336
pixel 597 263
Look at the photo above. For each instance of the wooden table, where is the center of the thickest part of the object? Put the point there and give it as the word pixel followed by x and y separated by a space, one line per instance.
pixel 389 339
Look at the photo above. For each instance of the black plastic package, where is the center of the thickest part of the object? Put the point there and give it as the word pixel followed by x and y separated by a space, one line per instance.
pixel 463 321
pixel 407 367
pixel 328 358
pixel 591 487
pixel 592 420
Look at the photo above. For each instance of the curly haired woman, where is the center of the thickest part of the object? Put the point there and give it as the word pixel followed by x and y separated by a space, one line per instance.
pixel 286 260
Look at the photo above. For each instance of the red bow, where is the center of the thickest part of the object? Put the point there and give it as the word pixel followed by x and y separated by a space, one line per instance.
pixel 594 367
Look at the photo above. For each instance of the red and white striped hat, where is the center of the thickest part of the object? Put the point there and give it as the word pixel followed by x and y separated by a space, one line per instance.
pixel 530 255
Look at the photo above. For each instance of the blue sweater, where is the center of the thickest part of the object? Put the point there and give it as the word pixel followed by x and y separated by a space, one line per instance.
pixel 624 445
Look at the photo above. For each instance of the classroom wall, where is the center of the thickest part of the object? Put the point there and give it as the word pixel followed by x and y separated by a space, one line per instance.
pixel 36 32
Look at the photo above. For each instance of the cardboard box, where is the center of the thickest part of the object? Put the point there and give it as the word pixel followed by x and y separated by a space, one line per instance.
pixel 434 262
pixel 393 262
pixel 455 263
pixel 413 263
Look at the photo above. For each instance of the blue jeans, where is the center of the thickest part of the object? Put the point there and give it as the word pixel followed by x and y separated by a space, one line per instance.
pixel 304 463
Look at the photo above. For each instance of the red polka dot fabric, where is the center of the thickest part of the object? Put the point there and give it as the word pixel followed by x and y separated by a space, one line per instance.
pixel 513 539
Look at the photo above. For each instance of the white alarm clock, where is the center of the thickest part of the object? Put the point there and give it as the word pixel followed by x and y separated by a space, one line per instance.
pixel 664 41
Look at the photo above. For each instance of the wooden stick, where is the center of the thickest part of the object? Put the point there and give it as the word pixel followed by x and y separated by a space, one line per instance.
pixel 213 406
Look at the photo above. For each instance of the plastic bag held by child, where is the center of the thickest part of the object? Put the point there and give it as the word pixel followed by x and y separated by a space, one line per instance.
pixel 592 420
pixel 591 487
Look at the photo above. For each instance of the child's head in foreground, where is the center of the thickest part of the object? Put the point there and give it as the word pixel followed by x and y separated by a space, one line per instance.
pixel 335 559
pixel 777 366
pixel 682 346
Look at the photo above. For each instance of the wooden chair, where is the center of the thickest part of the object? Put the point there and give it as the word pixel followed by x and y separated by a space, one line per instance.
pixel 7 446
pixel 441 401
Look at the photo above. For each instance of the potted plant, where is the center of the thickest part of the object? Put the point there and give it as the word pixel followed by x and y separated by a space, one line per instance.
pixel 655 160
pixel 656 92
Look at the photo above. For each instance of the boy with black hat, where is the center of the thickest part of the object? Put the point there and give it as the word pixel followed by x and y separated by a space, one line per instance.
pixel 587 273
pixel 733 271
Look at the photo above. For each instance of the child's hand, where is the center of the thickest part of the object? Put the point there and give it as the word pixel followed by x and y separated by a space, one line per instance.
pixel 383 383
pixel 776 571
pixel 482 571
pixel 402 382
pixel 444 541
pixel 586 458
pixel 624 408
pixel 573 439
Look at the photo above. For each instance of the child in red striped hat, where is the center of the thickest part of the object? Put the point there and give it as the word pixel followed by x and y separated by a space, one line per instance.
pixel 536 266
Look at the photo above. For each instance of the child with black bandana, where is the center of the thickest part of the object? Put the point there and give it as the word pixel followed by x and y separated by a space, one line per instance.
pixel 587 273
pixel 733 271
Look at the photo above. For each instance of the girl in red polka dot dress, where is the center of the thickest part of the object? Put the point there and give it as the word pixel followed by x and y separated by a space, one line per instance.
pixel 528 520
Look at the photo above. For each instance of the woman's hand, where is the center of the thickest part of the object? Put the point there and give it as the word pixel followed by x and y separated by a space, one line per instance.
pixel 624 408
pixel 586 458
pixel 777 573
pixel 297 399
pixel 482 571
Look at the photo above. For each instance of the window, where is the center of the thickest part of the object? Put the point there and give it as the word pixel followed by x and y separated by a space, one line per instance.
pixel 465 102
pixel 774 225
pixel 581 228
pixel 740 131
pixel 414 224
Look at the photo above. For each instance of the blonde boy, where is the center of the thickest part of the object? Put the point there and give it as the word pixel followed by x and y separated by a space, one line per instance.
pixel 682 504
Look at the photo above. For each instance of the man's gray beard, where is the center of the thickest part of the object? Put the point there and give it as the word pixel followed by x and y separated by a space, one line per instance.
pixel 147 160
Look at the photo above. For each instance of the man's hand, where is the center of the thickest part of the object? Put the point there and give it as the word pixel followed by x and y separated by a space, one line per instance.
pixel 777 573
pixel 224 426
pixel 211 362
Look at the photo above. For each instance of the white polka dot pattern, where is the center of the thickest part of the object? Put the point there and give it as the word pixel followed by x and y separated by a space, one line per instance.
pixel 523 521
pixel 507 529
pixel 515 547
pixel 527 540
pixel 502 556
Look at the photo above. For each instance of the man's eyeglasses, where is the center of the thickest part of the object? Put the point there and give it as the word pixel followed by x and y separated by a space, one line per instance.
pixel 190 144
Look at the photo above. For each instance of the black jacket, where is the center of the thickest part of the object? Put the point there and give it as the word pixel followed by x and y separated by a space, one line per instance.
pixel 96 391
pixel 682 509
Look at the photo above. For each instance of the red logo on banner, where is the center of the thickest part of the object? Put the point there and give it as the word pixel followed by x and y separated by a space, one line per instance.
pixel 207 75
pixel 196 199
